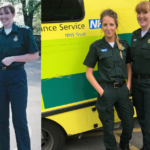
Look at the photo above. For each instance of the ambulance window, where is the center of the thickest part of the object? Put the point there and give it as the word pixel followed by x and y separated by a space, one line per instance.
pixel 62 10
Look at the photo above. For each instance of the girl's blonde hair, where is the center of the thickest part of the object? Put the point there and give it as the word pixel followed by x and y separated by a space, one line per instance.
pixel 112 14
pixel 143 6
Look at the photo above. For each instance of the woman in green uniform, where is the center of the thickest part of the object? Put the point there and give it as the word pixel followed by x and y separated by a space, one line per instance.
pixel 140 56
pixel 112 55
pixel 17 46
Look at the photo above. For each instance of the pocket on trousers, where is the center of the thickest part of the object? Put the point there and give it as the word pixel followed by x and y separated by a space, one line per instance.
pixel 127 88
pixel 131 107
pixel 102 112
pixel 103 92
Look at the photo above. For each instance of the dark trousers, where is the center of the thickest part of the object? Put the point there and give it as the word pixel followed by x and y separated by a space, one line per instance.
pixel 118 97
pixel 13 89
pixel 141 99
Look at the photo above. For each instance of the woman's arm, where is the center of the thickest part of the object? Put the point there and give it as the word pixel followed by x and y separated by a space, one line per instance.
pixel 129 72
pixel 92 80
pixel 22 58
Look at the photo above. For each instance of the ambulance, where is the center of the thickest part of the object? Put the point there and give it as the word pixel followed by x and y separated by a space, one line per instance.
pixel 68 28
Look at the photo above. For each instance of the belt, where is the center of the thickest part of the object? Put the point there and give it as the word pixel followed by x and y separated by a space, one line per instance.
pixel 138 76
pixel 10 67
pixel 116 84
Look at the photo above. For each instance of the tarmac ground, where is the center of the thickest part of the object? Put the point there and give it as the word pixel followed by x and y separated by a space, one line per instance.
pixel 93 140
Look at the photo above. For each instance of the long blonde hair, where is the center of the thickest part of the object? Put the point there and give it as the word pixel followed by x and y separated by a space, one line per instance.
pixel 112 14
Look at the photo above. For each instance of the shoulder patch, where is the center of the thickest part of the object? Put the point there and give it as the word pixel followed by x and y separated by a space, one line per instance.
pixel 122 48
pixel 24 26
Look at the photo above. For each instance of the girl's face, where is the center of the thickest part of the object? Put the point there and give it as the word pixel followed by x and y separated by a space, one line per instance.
pixel 144 20
pixel 6 18
pixel 109 27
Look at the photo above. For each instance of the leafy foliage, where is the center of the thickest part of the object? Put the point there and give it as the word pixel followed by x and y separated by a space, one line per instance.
pixel 31 11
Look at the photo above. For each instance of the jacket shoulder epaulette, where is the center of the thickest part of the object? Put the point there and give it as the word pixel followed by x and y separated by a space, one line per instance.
pixel 97 42
pixel 137 31
pixel 24 27
pixel 122 41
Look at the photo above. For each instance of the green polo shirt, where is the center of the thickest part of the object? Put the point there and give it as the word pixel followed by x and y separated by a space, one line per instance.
pixel 140 53
pixel 111 67
pixel 19 41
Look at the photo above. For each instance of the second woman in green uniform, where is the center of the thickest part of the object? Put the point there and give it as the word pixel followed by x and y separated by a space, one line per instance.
pixel 114 67
pixel 140 56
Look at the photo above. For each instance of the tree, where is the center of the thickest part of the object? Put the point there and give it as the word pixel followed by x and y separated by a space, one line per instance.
pixel 29 8
pixel 37 22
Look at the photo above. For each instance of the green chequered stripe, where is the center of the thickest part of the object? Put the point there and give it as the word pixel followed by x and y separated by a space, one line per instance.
pixel 67 89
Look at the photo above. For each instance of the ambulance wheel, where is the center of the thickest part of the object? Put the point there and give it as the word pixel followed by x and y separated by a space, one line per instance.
pixel 53 136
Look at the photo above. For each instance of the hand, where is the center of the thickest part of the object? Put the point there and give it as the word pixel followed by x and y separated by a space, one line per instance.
pixel 8 61
pixel 102 92
pixel 129 87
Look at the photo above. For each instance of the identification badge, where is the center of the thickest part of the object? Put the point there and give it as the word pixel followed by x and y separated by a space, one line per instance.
pixel 134 40
pixel 16 38
pixel 148 40
pixel 104 50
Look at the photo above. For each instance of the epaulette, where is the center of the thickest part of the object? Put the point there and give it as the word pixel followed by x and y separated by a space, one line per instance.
pixel 138 31
pixel 121 40
pixel 97 42
pixel 124 42
pixel 24 26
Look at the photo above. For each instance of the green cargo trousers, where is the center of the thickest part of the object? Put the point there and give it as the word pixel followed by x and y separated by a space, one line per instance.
pixel 118 97
pixel 141 100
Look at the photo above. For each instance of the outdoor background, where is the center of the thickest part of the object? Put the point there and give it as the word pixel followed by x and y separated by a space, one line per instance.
pixel 28 12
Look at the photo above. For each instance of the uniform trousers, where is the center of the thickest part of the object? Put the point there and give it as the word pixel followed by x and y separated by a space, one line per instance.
pixel 13 89
pixel 118 97
pixel 141 100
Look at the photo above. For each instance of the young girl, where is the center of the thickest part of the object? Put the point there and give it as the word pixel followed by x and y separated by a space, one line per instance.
pixel 114 67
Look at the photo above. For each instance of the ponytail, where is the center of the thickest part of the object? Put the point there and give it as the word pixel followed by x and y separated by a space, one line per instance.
pixel 119 45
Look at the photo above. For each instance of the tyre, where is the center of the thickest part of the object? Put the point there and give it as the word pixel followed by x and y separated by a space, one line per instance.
pixel 53 136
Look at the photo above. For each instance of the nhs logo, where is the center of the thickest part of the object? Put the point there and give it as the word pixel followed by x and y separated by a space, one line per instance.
pixel 94 23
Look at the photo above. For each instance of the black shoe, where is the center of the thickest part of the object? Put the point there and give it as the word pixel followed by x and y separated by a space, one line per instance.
pixel 123 147
pixel 143 148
